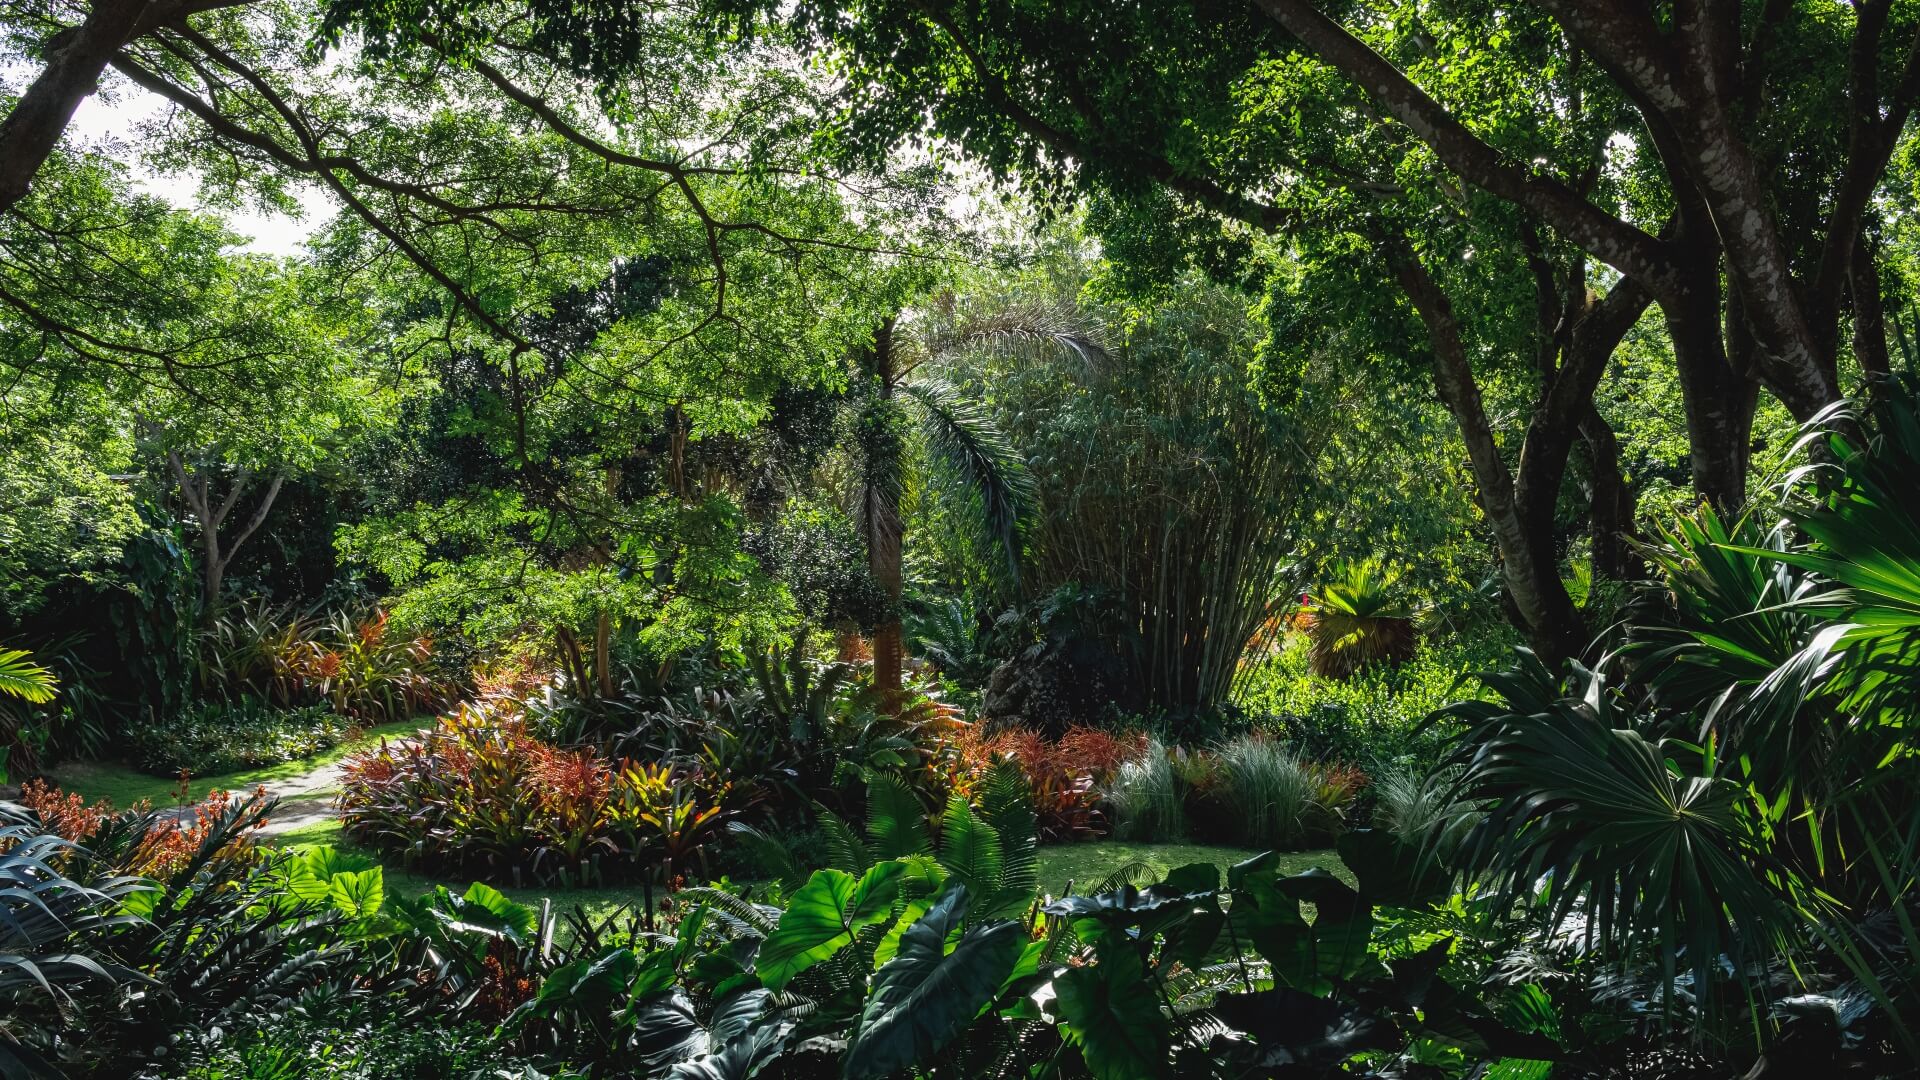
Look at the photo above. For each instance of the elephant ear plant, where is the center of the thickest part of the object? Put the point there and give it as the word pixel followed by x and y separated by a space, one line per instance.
pixel 924 962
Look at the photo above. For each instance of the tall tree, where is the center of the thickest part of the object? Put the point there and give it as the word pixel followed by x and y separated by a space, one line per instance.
pixel 1676 150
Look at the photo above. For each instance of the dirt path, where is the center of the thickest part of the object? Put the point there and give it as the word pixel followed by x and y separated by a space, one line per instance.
pixel 304 800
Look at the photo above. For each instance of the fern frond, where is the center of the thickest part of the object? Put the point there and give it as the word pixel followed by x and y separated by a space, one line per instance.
pixel 844 849
pixel 739 914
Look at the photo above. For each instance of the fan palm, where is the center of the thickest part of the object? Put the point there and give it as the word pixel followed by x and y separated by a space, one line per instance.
pixel 1756 803
pixel 966 452
pixel 1356 623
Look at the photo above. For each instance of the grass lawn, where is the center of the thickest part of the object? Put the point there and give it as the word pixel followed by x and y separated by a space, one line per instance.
pixel 125 785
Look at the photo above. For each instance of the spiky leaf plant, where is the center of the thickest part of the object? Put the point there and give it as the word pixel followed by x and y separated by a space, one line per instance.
pixel 1355 621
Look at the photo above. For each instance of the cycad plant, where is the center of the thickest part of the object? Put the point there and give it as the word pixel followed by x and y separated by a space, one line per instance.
pixel 904 402
pixel 1356 621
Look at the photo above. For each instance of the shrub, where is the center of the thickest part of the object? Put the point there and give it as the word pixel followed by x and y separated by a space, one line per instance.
pixel 144 842
pixel 1422 809
pixel 355 666
pixel 212 738
pixel 383 1048
pixel 1373 719
pixel 1148 797
pixel 480 794
pixel 1067 776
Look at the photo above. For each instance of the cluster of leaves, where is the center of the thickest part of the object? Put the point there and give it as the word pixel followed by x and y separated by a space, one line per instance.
pixel 234 961
pixel 1252 790
pixel 357 667
pixel 1373 719
pixel 940 958
pixel 478 793
pixel 1067 777
pixel 1353 622
pixel 786 730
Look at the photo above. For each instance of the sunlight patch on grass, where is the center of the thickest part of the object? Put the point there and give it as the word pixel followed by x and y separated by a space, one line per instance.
pixel 125 785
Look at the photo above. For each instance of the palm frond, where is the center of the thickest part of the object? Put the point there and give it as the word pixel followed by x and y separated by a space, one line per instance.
pixel 20 677
pixel 1026 331
pixel 977 463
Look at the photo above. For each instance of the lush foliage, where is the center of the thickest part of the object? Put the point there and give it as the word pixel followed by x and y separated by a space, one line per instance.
pixel 479 794
pixel 1733 809
pixel 1354 623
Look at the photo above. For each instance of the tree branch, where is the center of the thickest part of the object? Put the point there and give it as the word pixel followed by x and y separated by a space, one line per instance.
pixel 1621 245
pixel 76 58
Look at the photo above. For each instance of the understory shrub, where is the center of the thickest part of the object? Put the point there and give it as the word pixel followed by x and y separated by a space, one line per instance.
pixel 1423 809
pixel 480 794
pixel 211 738
pixel 356 666
pixel 1372 719
pixel 149 843
pixel 1265 791
pixel 1148 797
pixel 1252 790
pixel 1068 777
pixel 352 1046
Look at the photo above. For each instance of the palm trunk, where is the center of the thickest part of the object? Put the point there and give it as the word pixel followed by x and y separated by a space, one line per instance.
pixel 885 537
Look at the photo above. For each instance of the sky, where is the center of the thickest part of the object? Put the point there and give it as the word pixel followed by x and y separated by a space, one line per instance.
pixel 115 113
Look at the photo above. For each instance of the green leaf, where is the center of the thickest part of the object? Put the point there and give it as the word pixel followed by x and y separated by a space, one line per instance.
pixel 1110 1012
pixel 822 918
pixel 20 677
pixel 516 916
pixel 925 995
pixel 1342 926
pixel 896 822
pixel 358 893
pixel 890 943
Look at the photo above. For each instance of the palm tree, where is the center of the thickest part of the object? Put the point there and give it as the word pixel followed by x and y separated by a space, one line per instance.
pixel 1742 803
pixel 905 399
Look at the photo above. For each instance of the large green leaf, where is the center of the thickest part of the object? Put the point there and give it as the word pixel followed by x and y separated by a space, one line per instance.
pixel 1112 1014
pixel 22 678
pixel 1342 926
pixel 358 893
pixel 823 917
pixel 926 995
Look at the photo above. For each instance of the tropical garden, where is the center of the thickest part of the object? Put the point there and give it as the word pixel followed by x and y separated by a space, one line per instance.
pixel 852 538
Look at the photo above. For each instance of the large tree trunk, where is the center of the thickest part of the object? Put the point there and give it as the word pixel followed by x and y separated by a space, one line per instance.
pixel 76 58
pixel 1611 503
pixel 1720 400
